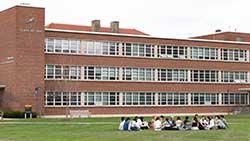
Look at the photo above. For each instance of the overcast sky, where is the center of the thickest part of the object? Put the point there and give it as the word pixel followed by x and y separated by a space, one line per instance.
pixel 164 18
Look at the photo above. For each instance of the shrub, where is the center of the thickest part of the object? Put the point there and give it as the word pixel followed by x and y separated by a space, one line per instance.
pixel 17 114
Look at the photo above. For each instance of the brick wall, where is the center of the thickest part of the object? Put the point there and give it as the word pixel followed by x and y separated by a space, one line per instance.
pixel 226 36
pixel 22 37
pixel 144 110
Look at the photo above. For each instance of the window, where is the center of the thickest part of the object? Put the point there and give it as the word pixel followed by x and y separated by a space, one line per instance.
pixel 50 45
pixel 204 53
pixel 168 51
pixel 90 48
pixel 62 98
pixel 233 54
pixel 75 72
pixel 128 49
pixel 105 48
pixel 62 72
pixel 58 98
pixel 138 98
pixel 233 77
pixel 62 46
pixel 177 75
pixel 172 98
pixel 58 72
pixel 50 71
pixel 74 46
pixel 141 74
pixel 49 98
pixel 204 76
pixel 204 99
pixel 101 98
pixel 65 46
pixel 101 73
pixel 114 48
pixel 138 50
pixel 65 72
pixel 58 45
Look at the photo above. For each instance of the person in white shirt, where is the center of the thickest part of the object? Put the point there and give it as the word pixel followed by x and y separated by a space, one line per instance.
pixel 139 122
pixel 179 123
pixel 121 123
pixel 144 124
pixel 157 124
pixel 204 123
pixel 211 124
pixel 134 126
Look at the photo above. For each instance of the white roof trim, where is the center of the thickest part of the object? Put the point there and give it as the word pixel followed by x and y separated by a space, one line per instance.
pixel 144 36
pixel 2 86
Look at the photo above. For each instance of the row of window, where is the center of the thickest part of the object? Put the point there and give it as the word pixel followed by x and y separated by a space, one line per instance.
pixel 62 46
pixel 141 74
pixel 204 53
pixel 71 46
pixel 238 77
pixel 233 55
pixel 62 72
pixel 101 73
pixel 172 51
pixel 172 75
pixel 137 50
pixel 204 76
pixel 232 98
pixel 142 98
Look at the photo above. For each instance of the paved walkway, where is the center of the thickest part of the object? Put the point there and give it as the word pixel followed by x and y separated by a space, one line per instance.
pixel 59 123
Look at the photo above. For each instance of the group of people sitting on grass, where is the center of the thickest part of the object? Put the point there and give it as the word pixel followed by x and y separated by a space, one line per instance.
pixel 161 123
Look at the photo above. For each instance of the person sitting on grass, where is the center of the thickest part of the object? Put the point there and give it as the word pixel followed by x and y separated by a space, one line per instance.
pixel 162 118
pixel 224 120
pixel 157 124
pixel 210 122
pixel 172 121
pixel 138 121
pixel 151 124
pixel 203 123
pixel 220 123
pixel 127 124
pixel 134 126
pixel 179 123
pixel 167 125
pixel 144 124
pixel 187 123
pixel 121 123
pixel 195 124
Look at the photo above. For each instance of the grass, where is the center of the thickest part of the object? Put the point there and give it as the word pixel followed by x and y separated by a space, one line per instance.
pixel 105 129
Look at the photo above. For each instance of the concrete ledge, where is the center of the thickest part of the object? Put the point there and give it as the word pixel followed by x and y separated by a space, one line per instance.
pixel 144 115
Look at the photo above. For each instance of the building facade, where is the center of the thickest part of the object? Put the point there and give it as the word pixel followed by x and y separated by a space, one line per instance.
pixel 116 71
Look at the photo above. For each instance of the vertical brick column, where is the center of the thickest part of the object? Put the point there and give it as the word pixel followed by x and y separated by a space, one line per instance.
pixel 120 49
pixel 155 51
pixel 188 52
pixel 220 99
pixel 219 54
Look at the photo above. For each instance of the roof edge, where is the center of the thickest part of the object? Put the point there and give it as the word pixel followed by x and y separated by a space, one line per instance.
pixel 145 36
pixel 218 33
pixel 132 29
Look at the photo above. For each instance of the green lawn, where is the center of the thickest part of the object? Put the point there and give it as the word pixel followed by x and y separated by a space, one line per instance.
pixel 105 129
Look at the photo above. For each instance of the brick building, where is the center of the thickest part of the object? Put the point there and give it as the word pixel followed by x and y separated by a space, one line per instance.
pixel 114 71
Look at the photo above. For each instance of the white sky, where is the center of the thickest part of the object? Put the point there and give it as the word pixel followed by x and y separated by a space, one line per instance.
pixel 163 18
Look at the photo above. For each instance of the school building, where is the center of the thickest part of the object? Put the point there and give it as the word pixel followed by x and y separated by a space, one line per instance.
pixel 117 71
